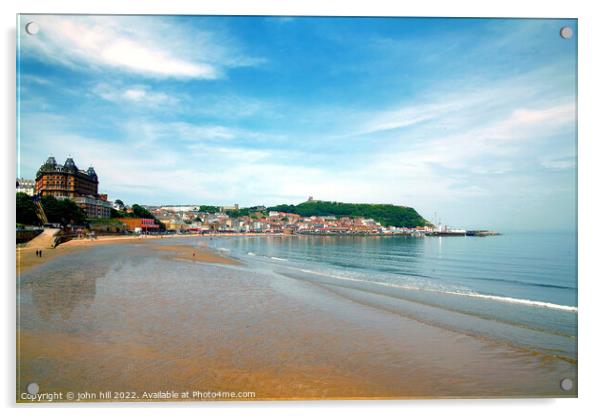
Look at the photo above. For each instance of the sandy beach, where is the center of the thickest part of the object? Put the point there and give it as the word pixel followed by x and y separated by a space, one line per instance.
pixel 145 316
pixel 26 257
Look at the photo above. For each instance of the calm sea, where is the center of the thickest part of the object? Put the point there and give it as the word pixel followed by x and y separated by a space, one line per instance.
pixel 519 289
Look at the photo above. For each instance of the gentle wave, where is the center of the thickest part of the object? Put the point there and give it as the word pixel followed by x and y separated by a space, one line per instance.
pixel 526 302
pixel 520 301
pixel 271 257
pixel 278 258
pixel 519 282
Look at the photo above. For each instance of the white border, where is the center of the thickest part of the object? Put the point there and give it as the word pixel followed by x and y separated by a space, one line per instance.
pixel 590 209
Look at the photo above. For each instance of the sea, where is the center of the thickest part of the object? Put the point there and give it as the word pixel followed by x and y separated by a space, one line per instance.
pixel 518 289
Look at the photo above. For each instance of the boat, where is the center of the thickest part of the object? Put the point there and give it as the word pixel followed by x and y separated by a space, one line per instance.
pixel 445 231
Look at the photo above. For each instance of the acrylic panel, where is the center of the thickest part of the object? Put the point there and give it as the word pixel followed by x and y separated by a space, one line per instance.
pixel 284 207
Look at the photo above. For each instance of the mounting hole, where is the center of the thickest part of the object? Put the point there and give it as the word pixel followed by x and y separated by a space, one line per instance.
pixel 566 32
pixel 566 384
pixel 33 388
pixel 32 28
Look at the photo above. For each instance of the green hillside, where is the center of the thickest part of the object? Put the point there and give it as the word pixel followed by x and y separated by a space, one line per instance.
pixel 386 214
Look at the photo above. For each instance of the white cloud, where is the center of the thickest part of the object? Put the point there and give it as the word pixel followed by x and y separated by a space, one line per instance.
pixel 135 94
pixel 466 103
pixel 144 167
pixel 560 163
pixel 141 95
pixel 533 122
pixel 188 136
pixel 151 46
pixel 488 143
pixel 481 159
pixel 405 116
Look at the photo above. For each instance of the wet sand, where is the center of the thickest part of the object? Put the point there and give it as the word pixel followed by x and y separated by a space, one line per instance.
pixel 26 257
pixel 195 254
pixel 136 318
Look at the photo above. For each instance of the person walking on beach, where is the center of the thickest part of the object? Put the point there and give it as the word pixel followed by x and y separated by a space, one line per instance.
pixel 37 253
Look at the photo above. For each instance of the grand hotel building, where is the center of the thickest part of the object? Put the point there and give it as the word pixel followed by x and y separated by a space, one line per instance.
pixel 67 181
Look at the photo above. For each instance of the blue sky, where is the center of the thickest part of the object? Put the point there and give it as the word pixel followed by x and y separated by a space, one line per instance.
pixel 473 119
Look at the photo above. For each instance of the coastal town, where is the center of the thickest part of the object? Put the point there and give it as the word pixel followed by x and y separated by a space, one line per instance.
pixel 67 182
pixel 260 220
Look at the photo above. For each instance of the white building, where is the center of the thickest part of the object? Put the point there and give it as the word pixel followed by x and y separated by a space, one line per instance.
pixel 94 207
pixel 179 208
pixel 27 186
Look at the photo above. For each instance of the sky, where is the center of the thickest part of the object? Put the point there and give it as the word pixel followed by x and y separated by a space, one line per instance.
pixel 470 121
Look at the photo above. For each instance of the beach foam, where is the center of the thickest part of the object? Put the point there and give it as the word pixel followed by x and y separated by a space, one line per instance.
pixel 527 302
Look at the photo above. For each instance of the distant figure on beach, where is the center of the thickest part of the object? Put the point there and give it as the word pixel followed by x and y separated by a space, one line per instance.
pixel 37 253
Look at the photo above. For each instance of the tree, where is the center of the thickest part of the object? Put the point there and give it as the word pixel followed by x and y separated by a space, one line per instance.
pixel 120 204
pixel 63 211
pixel 141 212
pixel 26 211
pixel 210 209
pixel 386 214
pixel 117 214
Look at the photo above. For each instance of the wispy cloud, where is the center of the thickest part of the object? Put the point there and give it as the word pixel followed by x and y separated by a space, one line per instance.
pixel 137 94
pixel 559 163
pixel 196 169
pixel 36 80
pixel 152 47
